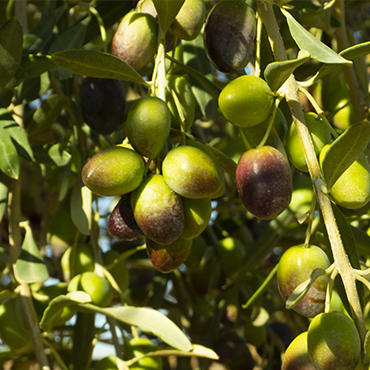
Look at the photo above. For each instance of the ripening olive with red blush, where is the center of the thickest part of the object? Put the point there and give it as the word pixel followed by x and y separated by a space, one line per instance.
pixel 264 182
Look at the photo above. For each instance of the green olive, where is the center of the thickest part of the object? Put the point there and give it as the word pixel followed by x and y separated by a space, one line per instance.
pixel 246 101
pixel 352 189
pixel 320 135
pixel 296 355
pixel 333 342
pixel 295 267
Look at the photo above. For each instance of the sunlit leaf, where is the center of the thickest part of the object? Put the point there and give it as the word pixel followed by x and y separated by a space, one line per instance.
pixel 306 41
pixel 30 266
pixel 81 212
pixel 59 155
pixel 9 161
pixel 301 290
pixel 277 73
pixel 344 151
pixel 96 64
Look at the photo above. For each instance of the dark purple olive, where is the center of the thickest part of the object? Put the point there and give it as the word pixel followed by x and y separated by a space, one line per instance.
pixel 264 182
pixel 122 224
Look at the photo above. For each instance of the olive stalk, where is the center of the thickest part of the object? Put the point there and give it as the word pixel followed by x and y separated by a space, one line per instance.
pixel 290 90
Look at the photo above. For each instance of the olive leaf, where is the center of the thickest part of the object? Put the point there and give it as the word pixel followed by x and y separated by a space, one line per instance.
pixel 81 212
pixel 301 290
pixel 277 73
pixel 367 348
pixel 167 11
pixel 30 266
pixel 344 151
pixel 34 65
pixel 263 287
pixel 9 161
pixel 351 53
pixel 306 41
pixel 10 50
pixel 95 63
pixel 146 319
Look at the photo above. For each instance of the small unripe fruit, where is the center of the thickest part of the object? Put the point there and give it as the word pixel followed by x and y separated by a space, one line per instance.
pixel 246 101
pixel 114 171
pixel 296 355
pixel 333 342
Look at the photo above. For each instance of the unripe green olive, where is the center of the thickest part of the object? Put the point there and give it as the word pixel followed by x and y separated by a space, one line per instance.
pixel 182 88
pixel 197 214
pixel 76 260
pixel 96 286
pixel 114 171
pixel 158 210
pixel 107 363
pixel 191 172
pixel 295 267
pixel 135 41
pixel 229 35
pixel 352 189
pixel 246 101
pixel 302 193
pixel 148 125
pixel 140 346
pixel 333 342
pixel 189 20
pixel 320 135
pixel 264 182
pixel 296 355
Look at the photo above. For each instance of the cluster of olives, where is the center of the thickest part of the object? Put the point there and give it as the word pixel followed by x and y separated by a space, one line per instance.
pixel 169 206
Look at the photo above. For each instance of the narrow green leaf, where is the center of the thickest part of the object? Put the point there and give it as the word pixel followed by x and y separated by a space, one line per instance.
pixel 11 37
pixel 351 53
pixel 277 73
pixel 81 200
pixel 367 348
pixel 306 41
pixel 264 286
pixel 34 65
pixel 3 195
pixel 40 35
pixel 96 64
pixel 17 134
pixel 55 307
pixel 59 155
pixel 9 161
pixel 344 151
pixel 30 266
pixel 167 11
pixel 46 114
pixel 149 321
pixel 301 290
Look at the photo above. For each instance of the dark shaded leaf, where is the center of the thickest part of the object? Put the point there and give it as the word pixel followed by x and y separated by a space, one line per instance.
pixel 11 36
pixel 96 64
pixel 167 11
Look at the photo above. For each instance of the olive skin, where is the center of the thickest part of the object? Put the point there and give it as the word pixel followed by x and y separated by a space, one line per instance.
pixel 296 355
pixel 139 346
pixel 320 135
pixel 102 104
pixel 295 266
pixel 229 35
pixel 113 171
pixel 264 182
pixel 189 20
pixel 158 210
pixel 122 224
pixel 135 41
pixel 191 172
pixel 166 258
pixel 333 342
pixel 148 125
pixel 352 189
pixel 246 101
